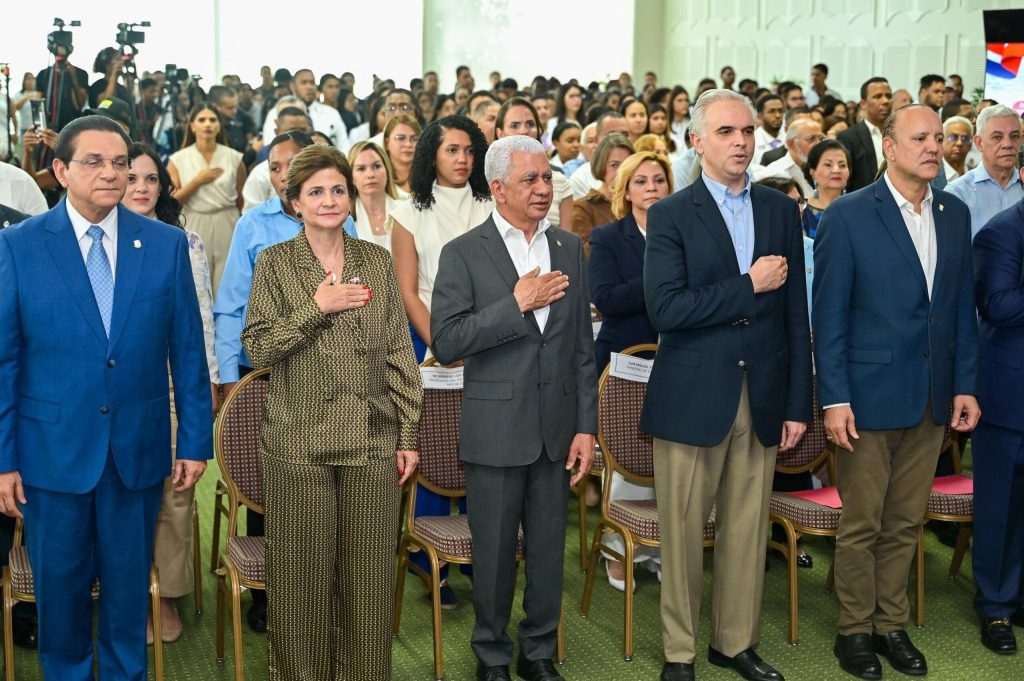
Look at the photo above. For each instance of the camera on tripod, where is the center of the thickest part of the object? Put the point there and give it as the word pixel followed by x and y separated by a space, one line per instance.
pixel 59 42
pixel 127 37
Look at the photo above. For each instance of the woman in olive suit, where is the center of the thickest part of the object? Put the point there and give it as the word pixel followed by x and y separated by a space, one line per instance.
pixel 339 432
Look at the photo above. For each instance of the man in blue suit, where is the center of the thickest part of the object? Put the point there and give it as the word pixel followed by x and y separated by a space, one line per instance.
pixel 896 341
pixel 998 443
pixel 731 383
pixel 96 301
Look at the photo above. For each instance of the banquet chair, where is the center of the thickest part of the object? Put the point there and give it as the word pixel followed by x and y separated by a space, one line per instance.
pixel 628 452
pixel 236 442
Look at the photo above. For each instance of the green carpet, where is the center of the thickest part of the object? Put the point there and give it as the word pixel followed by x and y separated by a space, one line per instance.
pixel 949 639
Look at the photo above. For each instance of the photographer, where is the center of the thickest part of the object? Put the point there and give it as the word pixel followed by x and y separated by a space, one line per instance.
pixel 108 62
pixel 65 88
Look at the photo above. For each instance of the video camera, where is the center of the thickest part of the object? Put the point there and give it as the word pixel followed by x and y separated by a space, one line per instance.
pixel 59 42
pixel 127 37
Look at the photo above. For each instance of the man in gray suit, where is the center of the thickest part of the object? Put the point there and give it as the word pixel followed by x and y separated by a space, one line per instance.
pixel 511 302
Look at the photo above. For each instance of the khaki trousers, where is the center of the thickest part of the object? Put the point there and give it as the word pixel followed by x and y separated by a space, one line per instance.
pixel 172 548
pixel 737 474
pixel 884 485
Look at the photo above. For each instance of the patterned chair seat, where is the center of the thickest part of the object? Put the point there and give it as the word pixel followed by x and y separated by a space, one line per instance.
pixel 21 572
pixel 450 534
pixel 598 466
pixel 951 504
pixel 641 518
pixel 247 554
pixel 805 513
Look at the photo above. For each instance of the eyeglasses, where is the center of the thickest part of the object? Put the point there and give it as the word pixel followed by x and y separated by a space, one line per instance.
pixel 402 138
pixel 814 139
pixel 121 164
pixel 952 139
pixel 399 107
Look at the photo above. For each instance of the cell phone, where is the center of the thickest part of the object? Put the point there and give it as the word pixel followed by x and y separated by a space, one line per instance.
pixel 39 113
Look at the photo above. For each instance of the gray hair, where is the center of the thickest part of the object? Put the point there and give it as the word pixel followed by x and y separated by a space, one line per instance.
pixel 699 110
pixel 962 121
pixel 289 100
pixel 498 161
pixel 995 111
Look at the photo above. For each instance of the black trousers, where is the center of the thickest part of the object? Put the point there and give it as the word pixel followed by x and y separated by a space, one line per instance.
pixel 499 499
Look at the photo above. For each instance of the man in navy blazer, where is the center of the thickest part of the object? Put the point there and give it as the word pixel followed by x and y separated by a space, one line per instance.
pixel 96 301
pixel 896 341
pixel 731 383
pixel 998 443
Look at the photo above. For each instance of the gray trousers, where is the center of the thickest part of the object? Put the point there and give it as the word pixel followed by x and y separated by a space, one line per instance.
pixel 498 500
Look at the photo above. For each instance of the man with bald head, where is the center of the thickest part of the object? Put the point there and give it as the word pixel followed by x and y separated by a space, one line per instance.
pixel 582 180
pixel 800 139
pixel 889 367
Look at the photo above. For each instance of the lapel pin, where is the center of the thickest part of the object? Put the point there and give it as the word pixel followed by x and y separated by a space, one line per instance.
pixel 138 244
pixel 558 243
pixel 7 223
pixel 941 207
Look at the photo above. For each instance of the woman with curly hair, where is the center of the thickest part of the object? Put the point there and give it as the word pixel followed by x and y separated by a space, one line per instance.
pixel 449 197
pixel 149 194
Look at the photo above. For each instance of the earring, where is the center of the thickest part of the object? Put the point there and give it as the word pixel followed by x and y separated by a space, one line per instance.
pixel 298 215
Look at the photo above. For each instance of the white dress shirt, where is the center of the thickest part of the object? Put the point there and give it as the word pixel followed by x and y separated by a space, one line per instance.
pixel 582 181
pixel 763 142
pixel 876 140
pixel 18 190
pixel 257 188
pixel 785 167
pixel 525 256
pixel 109 241
pixel 327 120
pixel 921 227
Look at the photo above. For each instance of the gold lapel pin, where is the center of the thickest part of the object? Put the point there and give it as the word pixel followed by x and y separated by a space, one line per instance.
pixel 941 207
pixel 138 244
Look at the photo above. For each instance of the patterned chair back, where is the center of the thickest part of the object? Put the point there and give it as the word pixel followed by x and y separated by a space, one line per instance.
pixel 439 464
pixel 237 438
pixel 813 443
pixel 619 403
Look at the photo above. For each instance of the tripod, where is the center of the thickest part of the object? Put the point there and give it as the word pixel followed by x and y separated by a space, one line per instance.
pixel 6 70
pixel 129 78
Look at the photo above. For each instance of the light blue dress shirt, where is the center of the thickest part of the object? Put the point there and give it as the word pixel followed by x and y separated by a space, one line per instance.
pixel 570 167
pixel 738 214
pixel 809 270
pixel 262 227
pixel 983 195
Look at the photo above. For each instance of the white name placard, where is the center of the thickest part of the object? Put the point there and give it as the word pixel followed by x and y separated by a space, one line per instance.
pixel 630 368
pixel 441 378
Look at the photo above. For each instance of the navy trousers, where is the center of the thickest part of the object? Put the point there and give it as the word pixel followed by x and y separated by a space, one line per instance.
pixel 998 455
pixel 73 539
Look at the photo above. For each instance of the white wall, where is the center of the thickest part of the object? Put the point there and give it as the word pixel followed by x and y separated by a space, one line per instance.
pixel 589 40
pixel 780 40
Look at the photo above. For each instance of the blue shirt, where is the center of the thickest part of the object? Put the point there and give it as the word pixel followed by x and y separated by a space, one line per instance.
pixel 809 269
pixel 569 167
pixel 983 195
pixel 262 227
pixel 738 214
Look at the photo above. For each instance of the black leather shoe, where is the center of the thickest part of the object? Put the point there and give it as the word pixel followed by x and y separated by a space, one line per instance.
pixel 492 673
pixel 997 635
pixel 1017 618
pixel 257 617
pixel 900 652
pixel 804 561
pixel 677 671
pixel 857 657
pixel 747 663
pixel 26 633
pixel 537 670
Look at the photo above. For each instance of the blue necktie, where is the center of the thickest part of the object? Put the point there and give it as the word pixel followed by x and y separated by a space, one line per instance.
pixel 98 266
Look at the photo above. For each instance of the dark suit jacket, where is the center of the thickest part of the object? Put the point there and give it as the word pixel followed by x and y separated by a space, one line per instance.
pixel 880 344
pixel 715 332
pixel 863 164
pixel 69 396
pixel 773 155
pixel 9 216
pixel 999 292
pixel 616 277
pixel 524 390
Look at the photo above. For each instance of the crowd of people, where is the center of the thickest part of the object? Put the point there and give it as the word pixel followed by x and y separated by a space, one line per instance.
pixel 341 242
